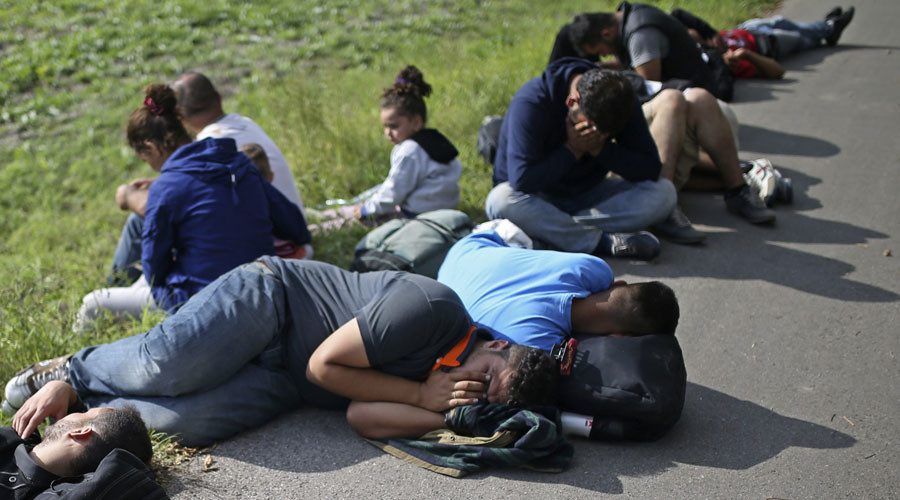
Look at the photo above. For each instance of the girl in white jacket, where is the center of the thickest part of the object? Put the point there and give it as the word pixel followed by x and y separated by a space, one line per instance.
pixel 424 171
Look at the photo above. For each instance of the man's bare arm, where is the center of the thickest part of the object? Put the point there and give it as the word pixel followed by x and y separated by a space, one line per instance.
pixel 651 70
pixel 377 420
pixel 341 366
pixel 768 67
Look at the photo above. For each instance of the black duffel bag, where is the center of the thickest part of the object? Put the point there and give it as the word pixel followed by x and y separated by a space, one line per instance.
pixel 632 386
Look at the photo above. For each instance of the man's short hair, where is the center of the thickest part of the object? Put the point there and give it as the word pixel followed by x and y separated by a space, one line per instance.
pixel 195 93
pixel 651 308
pixel 607 99
pixel 535 379
pixel 121 428
pixel 587 28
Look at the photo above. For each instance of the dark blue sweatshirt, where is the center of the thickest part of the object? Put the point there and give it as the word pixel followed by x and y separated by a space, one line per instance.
pixel 531 154
pixel 208 212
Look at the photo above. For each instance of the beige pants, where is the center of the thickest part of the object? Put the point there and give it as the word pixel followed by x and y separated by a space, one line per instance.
pixel 690 149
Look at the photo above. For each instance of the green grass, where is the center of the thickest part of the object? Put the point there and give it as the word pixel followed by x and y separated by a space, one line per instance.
pixel 310 74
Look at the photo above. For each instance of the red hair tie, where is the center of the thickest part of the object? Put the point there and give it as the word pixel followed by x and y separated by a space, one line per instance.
pixel 152 106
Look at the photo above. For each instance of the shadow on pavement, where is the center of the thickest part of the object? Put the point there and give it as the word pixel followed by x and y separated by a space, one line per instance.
pixel 803 60
pixel 765 141
pixel 294 443
pixel 716 430
pixel 747 252
pixel 761 89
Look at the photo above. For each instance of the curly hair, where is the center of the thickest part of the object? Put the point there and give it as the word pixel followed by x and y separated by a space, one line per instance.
pixel 407 94
pixel 607 99
pixel 535 379
pixel 157 121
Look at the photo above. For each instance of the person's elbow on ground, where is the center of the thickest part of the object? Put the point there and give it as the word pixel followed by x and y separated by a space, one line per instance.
pixel 383 419
pixel 362 419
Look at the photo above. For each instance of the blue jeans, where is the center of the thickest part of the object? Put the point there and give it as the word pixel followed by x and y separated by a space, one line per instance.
pixel 128 253
pixel 212 370
pixel 615 205
pixel 791 37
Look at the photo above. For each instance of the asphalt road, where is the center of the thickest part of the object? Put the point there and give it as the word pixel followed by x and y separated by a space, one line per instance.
pixel 790 333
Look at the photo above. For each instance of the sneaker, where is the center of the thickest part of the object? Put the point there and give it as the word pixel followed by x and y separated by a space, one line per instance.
pixel 784 188
pixel 771 185
pixel 30 380
pixel 761 180
pixel 837 26
pixel 748 205
pixel 641 245
pixel 678 229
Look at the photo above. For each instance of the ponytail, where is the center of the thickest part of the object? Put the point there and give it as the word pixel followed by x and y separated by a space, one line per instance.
pixel 157 121
pixel 407 94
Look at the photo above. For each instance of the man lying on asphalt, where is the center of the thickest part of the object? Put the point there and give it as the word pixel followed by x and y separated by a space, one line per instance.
pixel 272 335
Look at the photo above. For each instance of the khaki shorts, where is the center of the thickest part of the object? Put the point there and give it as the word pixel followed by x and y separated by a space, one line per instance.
pixel 690 149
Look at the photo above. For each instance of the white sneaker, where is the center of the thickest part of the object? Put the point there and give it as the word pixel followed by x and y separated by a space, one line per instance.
pixel 766 180
pixel 761 179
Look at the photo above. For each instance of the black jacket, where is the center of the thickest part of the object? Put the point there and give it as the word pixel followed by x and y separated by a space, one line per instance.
pixel 120 475
pixel 684 60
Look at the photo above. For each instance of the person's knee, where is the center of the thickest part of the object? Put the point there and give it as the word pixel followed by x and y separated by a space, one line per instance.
pixel 499 203
pixel 666 193
pixel 700 100
pixel 670 100
pixel 662 196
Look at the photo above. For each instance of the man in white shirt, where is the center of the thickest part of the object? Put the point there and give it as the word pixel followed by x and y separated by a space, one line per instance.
pixel 201 111
pixel 200 105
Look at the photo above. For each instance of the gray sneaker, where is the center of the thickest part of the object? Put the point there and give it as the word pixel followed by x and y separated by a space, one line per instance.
pixel 678 229
pixel 640 245
pixel 748 205
pixel 30 380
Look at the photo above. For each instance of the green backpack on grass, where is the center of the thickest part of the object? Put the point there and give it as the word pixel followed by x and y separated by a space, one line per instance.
pixel 416 245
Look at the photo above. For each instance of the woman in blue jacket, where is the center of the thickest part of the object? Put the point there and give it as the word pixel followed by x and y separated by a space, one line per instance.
pixel 208 212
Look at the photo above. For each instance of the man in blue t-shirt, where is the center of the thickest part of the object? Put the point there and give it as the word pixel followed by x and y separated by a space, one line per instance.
pixel 538 297
pixel 272 335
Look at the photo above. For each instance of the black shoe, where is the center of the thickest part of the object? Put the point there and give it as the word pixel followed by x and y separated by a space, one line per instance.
pixel 748 205
pixel 677 228
pixel 834 13
pixel 837 26
pixel 641 245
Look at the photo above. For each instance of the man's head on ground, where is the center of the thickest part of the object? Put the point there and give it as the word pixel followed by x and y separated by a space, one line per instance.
pixel 403 110
pixel 154 130
pixel 602 96
pixel 627 310
pixel 259 158
pixel 595 34
pixel 77 443
pixel 520 375
pixel 198 100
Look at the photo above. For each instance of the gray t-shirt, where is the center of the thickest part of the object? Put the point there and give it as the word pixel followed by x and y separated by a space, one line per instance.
pixel 407 321
pixel 647 44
